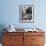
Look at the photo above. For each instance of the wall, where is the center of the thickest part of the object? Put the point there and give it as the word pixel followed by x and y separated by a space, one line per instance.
pixel 10 13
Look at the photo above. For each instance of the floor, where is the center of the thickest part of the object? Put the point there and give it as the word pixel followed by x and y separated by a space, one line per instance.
pixel 0 44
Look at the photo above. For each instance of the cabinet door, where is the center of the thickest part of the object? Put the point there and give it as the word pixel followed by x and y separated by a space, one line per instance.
pixel 32 39
pixel 37 40
pixel 13 40
pixel 27 40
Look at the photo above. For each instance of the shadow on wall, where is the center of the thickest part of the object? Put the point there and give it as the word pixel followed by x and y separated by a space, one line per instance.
pixel 2 26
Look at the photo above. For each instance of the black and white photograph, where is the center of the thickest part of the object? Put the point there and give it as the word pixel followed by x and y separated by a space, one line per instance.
pixel 26 13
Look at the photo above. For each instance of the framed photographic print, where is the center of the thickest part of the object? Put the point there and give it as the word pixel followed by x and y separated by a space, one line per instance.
pixel 26 13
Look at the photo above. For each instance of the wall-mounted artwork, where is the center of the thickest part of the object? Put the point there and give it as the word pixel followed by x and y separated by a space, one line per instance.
pixel 26 13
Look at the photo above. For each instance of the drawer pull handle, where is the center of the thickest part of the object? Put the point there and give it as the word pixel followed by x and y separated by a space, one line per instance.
pixel 10 38
pixel 33 39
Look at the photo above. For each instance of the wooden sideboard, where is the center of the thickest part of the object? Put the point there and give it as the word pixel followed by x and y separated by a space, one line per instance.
pixel 23 38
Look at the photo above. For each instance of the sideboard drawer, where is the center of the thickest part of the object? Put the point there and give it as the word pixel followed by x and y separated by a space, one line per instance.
pixel 34 33
pixel 13 33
